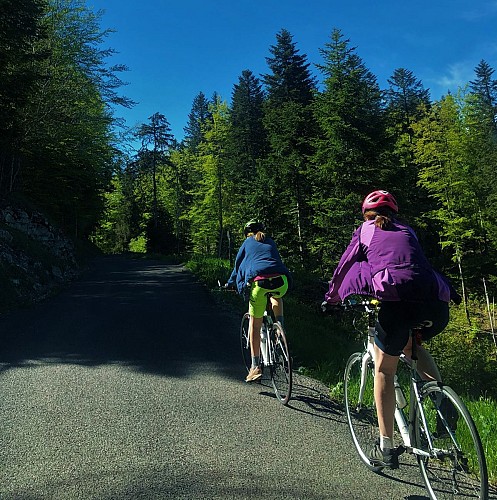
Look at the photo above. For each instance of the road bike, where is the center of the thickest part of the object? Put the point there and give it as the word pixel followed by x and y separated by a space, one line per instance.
pixel 275 355
pixel 432 422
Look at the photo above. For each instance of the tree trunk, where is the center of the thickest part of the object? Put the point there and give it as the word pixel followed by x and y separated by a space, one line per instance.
pixel 463 287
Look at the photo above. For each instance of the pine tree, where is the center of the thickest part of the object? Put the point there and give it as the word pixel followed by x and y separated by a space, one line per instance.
pixel 405 97
pixel 290 126
pixel 407 101
pixel 246 146
pixel 290 78
pixel 481 144
pixel 208 208
pixel 350 151
pixel 485 88
pixel 157 140
pixel 248 132
pixel 197 118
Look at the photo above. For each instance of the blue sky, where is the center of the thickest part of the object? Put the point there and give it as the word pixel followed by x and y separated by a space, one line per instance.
pixel 175 49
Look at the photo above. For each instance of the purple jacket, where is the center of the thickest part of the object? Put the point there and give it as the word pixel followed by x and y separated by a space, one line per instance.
pixel 389 265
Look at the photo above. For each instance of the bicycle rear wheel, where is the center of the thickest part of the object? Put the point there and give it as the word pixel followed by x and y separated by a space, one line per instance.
pixel 360 406
pixel 245 341
pixel 456 467
pixel 281 368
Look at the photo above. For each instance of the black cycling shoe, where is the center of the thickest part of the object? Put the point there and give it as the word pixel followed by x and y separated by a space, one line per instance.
pixel 380 458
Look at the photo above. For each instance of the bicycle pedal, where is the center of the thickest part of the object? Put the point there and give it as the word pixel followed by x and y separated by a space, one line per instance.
pixel 400 449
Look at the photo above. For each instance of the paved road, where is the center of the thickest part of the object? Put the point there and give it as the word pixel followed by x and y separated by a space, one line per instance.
pixel 128 385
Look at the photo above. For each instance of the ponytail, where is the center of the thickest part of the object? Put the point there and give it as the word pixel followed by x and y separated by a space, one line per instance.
pixel 382 218
pixel 259 236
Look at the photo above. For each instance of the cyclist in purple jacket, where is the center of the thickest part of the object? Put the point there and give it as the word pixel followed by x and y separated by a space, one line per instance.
pixel 384 259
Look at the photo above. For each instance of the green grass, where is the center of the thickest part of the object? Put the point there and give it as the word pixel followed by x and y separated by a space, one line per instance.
pixel 321 345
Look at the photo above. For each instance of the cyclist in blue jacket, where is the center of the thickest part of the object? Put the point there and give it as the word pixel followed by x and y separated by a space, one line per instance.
pixel 385 260
pixel 259 270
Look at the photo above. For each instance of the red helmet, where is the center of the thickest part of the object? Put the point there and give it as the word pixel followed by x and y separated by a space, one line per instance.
pixel 378 199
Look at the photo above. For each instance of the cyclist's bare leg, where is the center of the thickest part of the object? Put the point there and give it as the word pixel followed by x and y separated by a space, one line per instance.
pixel 384 392
pixel 427 368
pixel 277 305
pixel 255 336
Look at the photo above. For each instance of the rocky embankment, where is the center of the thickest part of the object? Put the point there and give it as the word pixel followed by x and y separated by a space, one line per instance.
pixel 36 258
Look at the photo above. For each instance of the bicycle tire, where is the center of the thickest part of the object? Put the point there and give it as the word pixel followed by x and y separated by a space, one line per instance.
pixel 281 368
pixel 459 469
pixel 361 411
pixel 245 341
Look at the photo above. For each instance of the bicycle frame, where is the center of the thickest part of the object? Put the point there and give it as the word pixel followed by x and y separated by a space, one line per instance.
pixel 405 427
pixel 266 350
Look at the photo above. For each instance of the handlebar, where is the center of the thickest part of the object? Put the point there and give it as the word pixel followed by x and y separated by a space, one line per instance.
pixel 368 306
pixel 225 287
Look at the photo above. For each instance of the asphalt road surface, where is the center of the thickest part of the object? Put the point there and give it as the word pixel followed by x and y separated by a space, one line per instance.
pixel 129 385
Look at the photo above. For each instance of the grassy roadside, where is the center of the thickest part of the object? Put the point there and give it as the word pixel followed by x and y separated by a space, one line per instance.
pixel 321 345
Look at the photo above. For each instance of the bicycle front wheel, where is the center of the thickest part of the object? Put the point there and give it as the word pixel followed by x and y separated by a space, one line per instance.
pixel 245 341
pixel 281 367
pixel 360 406
pixel 456 466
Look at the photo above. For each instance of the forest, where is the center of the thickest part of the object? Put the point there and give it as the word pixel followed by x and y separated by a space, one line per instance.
pixel 297 147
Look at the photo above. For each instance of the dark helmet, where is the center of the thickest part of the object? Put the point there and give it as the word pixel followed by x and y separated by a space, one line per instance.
pixel 253 226
pixel 378 199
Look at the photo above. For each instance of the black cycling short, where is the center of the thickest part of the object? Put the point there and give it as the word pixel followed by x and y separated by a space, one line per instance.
pixel 396 319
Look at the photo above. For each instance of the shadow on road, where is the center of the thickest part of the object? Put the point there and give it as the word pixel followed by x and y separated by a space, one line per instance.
pixel 142 313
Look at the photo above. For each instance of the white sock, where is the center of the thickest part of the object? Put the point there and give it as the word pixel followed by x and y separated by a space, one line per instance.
pixel 385 443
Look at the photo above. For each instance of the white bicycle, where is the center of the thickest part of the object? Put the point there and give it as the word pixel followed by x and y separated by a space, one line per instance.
pixel 433 423
pixel 275 354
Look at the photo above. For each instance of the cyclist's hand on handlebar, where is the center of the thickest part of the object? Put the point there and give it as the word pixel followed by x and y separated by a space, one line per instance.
pixel 226 286
pixel 327 308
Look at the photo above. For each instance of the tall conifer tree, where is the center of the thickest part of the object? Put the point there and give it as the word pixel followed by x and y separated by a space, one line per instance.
pixel 197 118
pixel 350 151
pixel 290 127
pixel 246 146
pixel 484 86
pixel 157 140
pixel 407 101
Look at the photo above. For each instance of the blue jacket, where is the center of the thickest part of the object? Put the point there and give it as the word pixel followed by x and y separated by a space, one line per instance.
pixel 256 258
pixel 389 265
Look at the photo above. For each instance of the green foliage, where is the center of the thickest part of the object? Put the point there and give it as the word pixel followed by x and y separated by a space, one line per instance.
pixel 291 130
pixel 138 244
pixel 483 410
pixel 466 356
pixel 197 118
pixel 450 148
pixel 351 144
pixel 210 270
pixel 57 151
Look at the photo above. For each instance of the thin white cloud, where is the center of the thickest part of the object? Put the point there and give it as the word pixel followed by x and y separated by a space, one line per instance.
pixel 457 76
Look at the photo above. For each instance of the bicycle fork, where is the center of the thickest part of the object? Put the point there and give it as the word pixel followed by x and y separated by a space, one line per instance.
pixel 266 351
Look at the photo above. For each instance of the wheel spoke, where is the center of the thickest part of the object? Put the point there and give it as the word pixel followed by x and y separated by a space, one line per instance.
pixel 456 467
pixel 281 369
pixel 245 341
pixel 360 406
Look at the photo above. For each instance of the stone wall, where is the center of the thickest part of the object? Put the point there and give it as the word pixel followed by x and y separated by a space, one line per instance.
pixel 36 259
